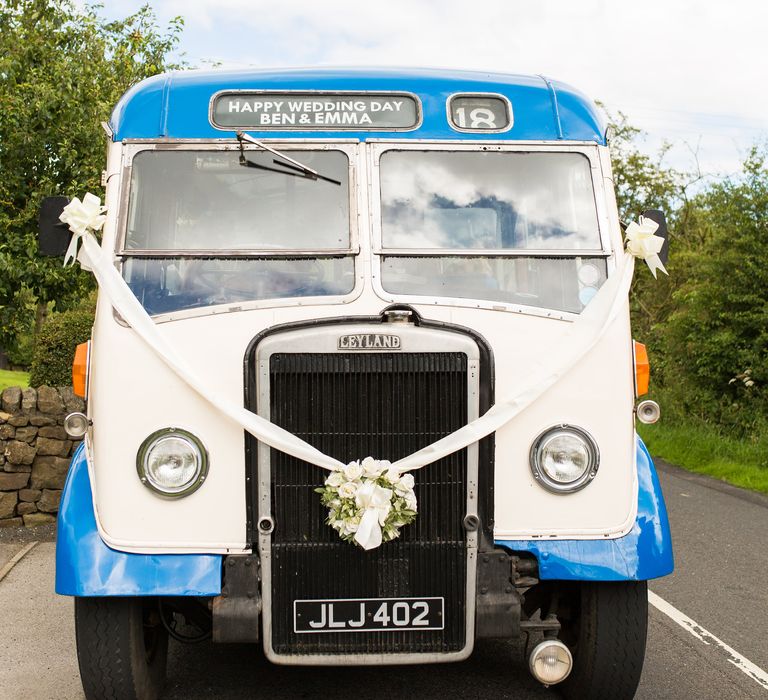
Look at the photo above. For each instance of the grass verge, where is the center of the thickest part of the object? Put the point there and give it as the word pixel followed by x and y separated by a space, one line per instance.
pixel 701 449
pixel 8 378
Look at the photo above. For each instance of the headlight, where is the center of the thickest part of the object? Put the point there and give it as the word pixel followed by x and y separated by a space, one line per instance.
pixel 172 462
pixel 564 458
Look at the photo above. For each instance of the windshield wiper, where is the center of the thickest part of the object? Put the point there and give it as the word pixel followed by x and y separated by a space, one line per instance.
pixel 246 163
pixel 301 169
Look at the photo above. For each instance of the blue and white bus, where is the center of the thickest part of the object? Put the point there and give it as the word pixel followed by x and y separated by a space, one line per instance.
pixel 315 280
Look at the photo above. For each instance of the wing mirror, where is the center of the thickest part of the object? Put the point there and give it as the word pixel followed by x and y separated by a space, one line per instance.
pixel 53 235
pixel 658 216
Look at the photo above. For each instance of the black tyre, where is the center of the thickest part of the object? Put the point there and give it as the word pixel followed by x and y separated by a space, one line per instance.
pixel 606 631
pixel 122 648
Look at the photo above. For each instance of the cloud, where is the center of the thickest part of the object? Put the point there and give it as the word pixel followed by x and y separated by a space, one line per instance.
pixel 669 65
pixel 632 50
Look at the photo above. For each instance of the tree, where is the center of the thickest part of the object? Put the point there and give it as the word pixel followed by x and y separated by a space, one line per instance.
pixel 716 340
pixel 644 181
pixel 61 71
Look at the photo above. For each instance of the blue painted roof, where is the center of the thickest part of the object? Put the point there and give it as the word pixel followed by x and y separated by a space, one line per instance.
pixel 176 105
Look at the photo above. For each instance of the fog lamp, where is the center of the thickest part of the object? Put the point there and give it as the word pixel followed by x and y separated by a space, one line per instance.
pixel 648 411
pixel 172 462
pixel 564 458
pixel 76 425
pixel 550 662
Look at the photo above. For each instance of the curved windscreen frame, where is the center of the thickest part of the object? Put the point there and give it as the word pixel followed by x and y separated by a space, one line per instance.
pixel 282 277
pixel 472 295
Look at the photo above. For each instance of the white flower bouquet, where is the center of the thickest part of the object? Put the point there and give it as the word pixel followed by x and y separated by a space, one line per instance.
pixel 369 501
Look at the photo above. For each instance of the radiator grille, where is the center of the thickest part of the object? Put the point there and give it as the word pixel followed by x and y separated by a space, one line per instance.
pixel 351 406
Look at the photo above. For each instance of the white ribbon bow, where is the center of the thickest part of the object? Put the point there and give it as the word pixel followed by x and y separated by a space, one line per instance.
pixel 82 217
pixel 642 243
pixel 376 502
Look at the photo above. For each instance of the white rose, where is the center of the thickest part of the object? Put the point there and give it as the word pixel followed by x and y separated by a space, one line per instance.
pixel 353 471
pixel 410 501
pixel 405 484
pixel 373 467
pixel 351 525
pixel 348 489
pixel 392 475
pixel 335 480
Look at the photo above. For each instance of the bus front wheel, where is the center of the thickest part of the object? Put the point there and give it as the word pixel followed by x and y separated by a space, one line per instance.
pixel 605 629
pixel 122 648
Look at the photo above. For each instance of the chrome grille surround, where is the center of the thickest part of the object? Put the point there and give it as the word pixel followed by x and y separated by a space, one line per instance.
pixel 323 340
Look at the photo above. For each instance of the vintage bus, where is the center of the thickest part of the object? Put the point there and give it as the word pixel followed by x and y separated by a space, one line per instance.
pixel 308 268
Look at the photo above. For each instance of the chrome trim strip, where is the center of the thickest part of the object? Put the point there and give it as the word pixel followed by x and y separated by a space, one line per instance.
pixel 237 253
pixel 323 339
pixel 487 144
pixel 492 252
pixel 230 140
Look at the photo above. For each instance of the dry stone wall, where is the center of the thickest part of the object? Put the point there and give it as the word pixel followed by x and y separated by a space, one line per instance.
pixel 34 452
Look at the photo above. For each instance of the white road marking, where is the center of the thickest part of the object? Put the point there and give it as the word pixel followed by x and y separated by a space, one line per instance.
pixel 741 662
pixel 16 559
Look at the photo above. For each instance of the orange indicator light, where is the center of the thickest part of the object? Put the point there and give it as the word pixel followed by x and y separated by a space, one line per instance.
pixel 80 370
pixel 642 369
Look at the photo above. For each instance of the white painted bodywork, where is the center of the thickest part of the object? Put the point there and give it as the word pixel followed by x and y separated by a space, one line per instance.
pixel 134 394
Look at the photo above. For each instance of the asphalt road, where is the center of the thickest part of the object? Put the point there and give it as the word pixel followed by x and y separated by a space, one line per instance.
pixel 720 583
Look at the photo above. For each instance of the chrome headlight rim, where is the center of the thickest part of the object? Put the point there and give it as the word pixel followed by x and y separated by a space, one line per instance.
pixel 201 472
pixel 541 476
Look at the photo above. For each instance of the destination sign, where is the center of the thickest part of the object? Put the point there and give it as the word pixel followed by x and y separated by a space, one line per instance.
pixel 315 111
pixel 480 113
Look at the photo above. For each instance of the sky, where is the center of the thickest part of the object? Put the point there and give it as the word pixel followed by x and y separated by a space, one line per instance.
pixel 690 73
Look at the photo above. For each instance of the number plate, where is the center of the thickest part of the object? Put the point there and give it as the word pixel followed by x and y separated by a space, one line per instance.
pixel 368 615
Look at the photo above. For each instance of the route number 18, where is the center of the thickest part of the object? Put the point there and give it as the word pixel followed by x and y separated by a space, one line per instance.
pixel 479 118
pixel 480 113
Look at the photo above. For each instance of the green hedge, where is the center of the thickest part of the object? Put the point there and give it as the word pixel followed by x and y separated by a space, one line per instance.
pixel 55 346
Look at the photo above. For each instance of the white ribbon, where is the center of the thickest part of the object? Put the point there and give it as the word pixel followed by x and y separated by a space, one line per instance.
pixel 114 287
pixel 642 243
pixel 572 346
pixel 582 335
pixel 376 502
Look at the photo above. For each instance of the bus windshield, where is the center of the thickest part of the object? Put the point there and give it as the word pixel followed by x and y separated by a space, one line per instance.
pixel 207 228
pixel 512 227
